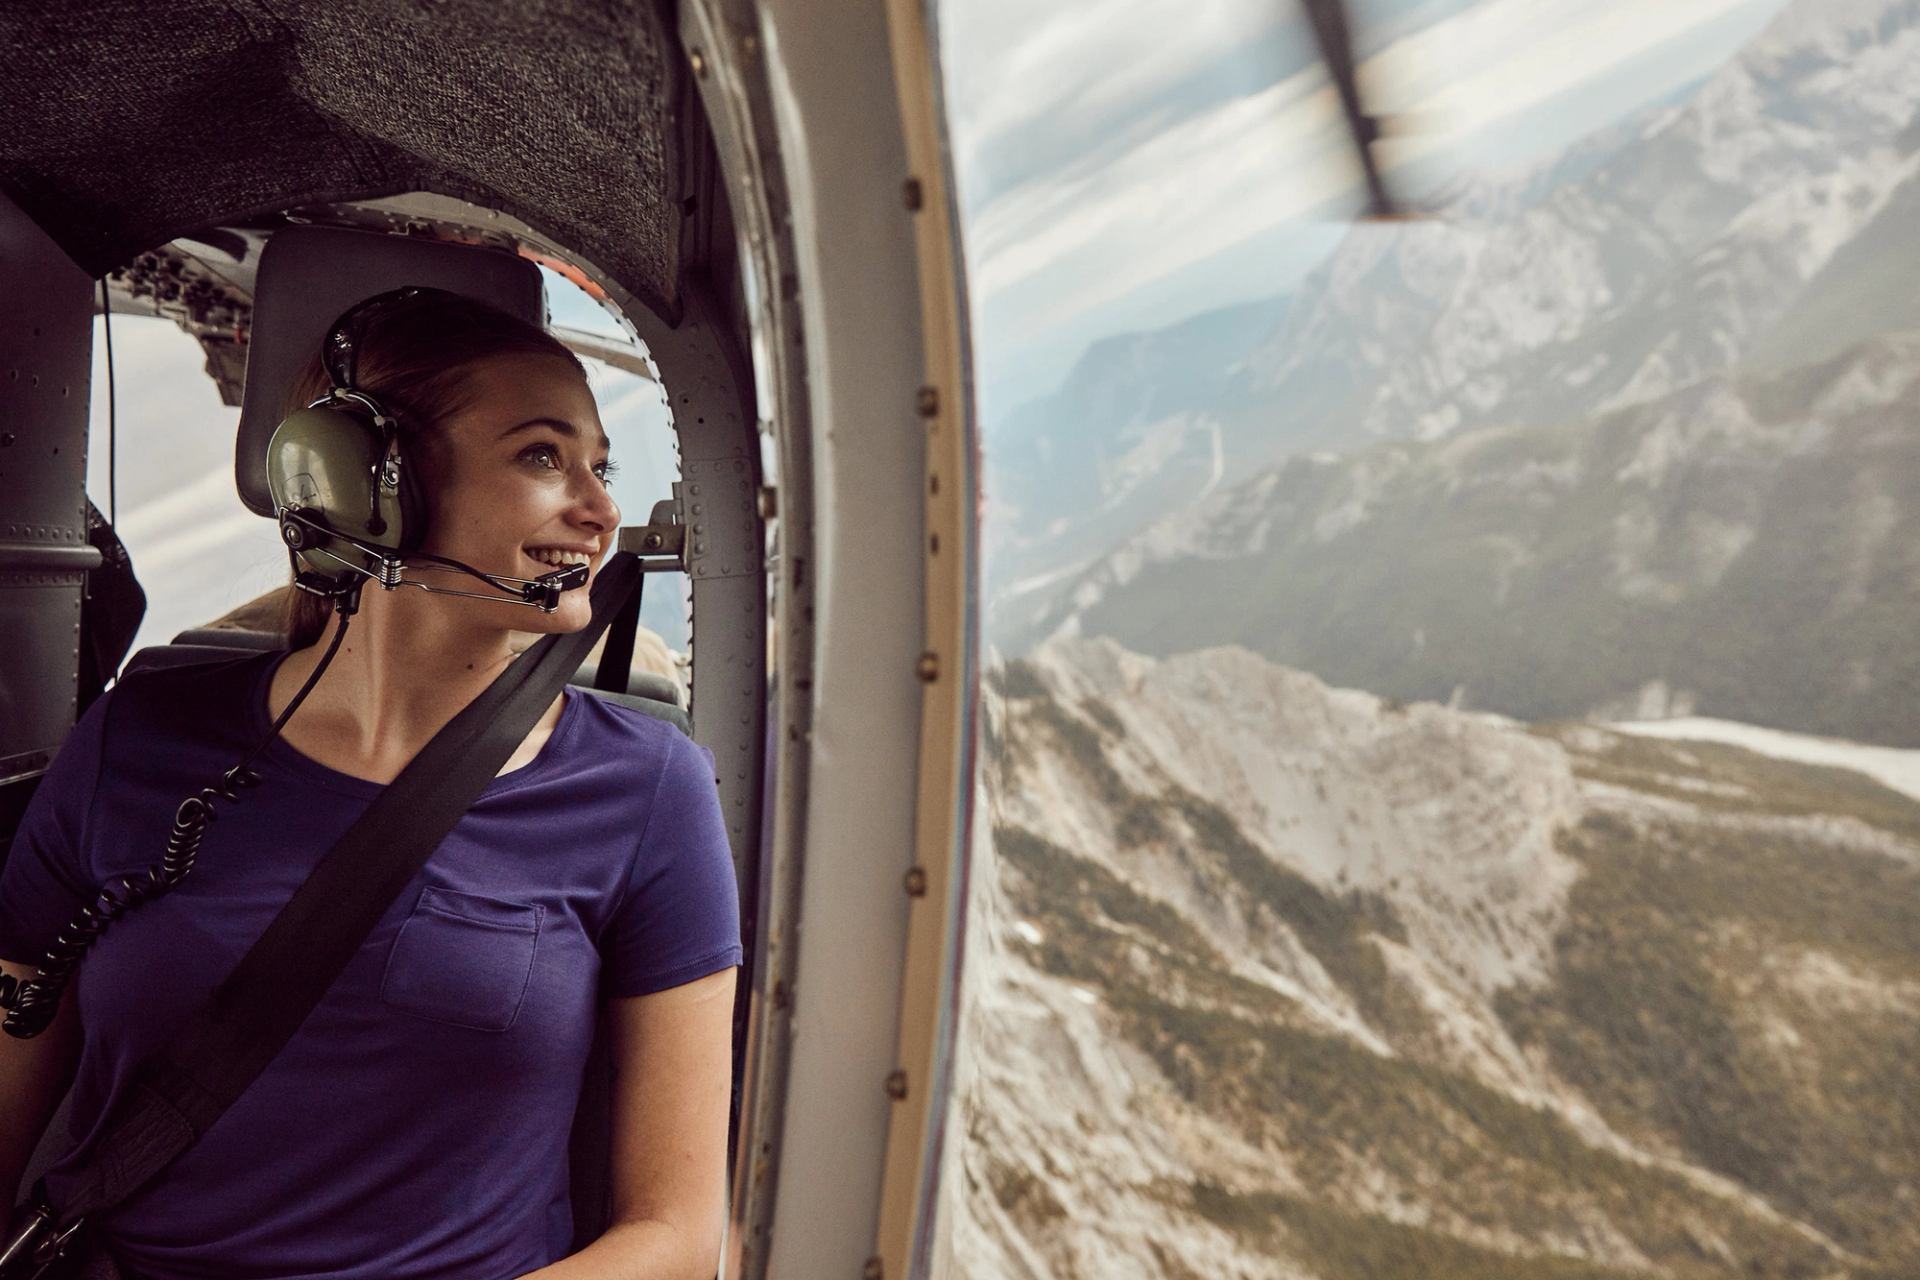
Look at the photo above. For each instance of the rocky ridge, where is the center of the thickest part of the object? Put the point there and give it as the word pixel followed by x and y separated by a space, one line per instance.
pixel 1269 979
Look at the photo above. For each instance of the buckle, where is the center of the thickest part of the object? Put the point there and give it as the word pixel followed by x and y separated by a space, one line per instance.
pixel 32 1240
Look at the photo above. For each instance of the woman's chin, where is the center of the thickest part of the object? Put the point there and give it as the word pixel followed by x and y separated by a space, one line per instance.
pixel 569 617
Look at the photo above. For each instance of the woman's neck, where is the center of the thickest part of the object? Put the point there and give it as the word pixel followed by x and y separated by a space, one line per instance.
pixel 408 665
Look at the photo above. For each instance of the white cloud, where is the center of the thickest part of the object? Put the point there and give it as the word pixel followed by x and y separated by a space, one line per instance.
pixel 1178 197
pixel 1014 66
pixel 1506 57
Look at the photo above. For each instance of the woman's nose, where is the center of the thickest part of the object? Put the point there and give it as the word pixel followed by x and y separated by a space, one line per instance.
pixel 595 506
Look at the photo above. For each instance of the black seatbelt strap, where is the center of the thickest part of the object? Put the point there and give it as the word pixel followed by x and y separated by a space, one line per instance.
pixel 616 658
pixel 180 1091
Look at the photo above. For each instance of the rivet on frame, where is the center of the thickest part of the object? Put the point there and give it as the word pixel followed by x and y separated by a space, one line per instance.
pixel 928 668
pixel 927 402
pixel 912 196
pixel 897 1085
pixel 916 882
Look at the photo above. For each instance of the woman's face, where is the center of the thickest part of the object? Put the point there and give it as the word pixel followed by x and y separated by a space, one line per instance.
pixel 518 482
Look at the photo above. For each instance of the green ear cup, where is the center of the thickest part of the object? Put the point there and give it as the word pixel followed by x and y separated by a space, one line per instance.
pixel 330 462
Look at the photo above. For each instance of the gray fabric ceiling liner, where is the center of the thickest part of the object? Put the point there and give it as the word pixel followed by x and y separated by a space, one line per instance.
pixel 128 124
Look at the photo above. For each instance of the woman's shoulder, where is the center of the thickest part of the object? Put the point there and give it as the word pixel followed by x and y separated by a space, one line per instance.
pixel 608 730
pixel 239 675
pixel 176 700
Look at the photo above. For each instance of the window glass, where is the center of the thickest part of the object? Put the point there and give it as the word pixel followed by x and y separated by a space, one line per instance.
pixel 1451 762
pixel 197 551
pixel 634 411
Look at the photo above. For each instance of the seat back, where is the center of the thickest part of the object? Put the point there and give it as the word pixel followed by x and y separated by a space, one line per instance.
pixel 647 692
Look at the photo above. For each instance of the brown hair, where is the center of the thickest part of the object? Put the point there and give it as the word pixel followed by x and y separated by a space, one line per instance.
pixel 417 357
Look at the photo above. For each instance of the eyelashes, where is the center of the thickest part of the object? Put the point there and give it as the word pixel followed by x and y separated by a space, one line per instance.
pixel 547 457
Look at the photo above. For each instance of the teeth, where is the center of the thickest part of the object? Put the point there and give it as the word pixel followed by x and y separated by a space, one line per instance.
pixel 557 558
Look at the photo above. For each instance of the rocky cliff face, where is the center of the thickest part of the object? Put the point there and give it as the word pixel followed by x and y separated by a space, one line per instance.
pixel 1271 979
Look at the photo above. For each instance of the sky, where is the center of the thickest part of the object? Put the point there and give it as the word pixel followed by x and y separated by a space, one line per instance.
pixel 1124 164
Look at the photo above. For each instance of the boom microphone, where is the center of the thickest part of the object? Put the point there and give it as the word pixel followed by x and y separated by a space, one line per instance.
pixel 305 535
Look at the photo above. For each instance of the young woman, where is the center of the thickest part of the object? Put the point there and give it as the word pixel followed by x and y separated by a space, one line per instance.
pixel 417 1125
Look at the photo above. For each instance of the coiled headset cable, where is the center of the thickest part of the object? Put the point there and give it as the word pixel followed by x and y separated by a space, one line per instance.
pixel 32 1003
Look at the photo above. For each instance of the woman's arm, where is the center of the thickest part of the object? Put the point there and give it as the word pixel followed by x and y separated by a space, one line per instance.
pixel 673 1076
pixel 34 1075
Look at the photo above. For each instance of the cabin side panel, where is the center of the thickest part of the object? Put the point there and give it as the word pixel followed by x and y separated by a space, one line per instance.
pixel 46 335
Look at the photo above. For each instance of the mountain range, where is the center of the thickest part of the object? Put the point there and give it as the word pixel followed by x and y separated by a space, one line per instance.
pixel 1746 547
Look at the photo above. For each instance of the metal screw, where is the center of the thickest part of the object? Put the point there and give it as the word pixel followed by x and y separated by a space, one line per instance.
pixel 927 402
pixel 916 882
pixel 928 668
pixel 912 195
pixel 874 1270
pixel 897 1085
pixel 699 61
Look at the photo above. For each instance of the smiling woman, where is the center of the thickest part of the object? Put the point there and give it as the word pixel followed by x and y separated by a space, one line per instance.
pixel 590 885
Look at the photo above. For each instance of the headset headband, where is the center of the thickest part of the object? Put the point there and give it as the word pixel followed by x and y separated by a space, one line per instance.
pixel 340 351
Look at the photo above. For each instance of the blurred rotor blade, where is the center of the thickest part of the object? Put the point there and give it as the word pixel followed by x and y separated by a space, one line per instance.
pixel 1329 21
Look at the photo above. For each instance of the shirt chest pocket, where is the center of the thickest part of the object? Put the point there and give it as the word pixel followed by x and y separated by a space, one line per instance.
pixel 463 959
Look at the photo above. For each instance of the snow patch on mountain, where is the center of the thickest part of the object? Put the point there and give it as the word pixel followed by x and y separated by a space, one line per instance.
pixel 1895 767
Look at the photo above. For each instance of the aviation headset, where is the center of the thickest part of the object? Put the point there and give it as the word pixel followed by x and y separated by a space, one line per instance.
pixel 337 466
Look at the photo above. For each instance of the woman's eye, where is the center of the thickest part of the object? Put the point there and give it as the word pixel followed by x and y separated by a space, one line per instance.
pixel 543 455
pixel 606 470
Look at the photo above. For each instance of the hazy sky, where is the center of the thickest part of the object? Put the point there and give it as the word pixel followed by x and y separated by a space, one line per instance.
pixel 1126 163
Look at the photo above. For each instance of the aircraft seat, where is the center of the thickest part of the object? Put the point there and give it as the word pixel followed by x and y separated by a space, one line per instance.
pixel 648 693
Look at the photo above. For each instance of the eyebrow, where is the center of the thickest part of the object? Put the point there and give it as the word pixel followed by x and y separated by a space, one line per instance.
pixel 561 425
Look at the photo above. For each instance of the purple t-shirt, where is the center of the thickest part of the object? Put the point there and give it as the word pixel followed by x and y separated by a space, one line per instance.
pixel 417 1124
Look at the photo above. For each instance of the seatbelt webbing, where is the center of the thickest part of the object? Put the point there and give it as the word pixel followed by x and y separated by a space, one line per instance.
pixel 181 1090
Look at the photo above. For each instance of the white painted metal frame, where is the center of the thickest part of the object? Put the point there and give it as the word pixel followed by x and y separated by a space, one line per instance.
pixel 829 138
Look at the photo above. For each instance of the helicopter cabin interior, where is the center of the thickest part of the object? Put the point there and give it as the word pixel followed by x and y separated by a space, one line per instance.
pixel 759 195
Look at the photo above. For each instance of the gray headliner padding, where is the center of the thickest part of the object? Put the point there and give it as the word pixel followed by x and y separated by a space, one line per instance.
pixel 127 125
pixel 309 276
